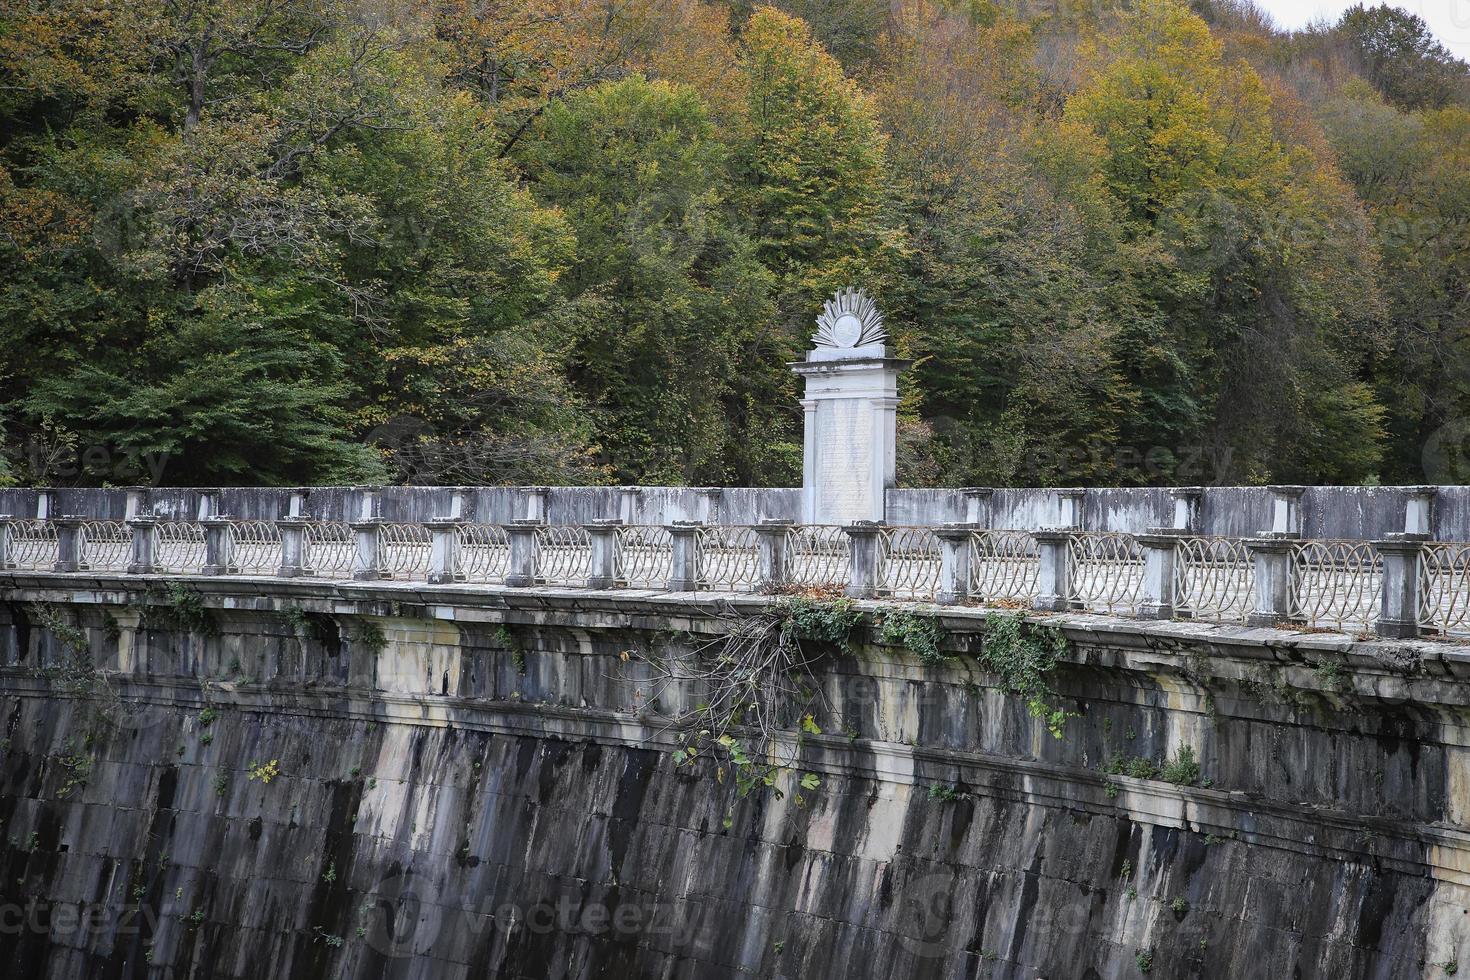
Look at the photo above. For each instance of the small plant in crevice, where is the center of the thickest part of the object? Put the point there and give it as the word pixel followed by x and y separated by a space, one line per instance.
pixel 1179 907
pixel 320 628
pixel 1183 769
pixel 1111 791
pixel 1145 960
pixel 1329 674
pixel 221 783
pixel 265 771
pixel 179 606
pixel 946 793
pixel 330 875
pixel 918 634
pixel 370 636
pixel 1025 655
pixel 507 639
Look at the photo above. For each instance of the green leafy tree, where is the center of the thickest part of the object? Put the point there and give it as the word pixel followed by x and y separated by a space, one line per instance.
pixel 668 341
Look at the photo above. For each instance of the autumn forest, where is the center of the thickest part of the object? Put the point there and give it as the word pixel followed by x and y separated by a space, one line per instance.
pixel 577 241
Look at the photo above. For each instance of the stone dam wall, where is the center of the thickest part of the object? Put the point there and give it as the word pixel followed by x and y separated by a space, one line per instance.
pixel 258 778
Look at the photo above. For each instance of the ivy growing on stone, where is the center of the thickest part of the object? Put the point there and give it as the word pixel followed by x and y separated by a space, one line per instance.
pixel 915 632
pixel 1025 655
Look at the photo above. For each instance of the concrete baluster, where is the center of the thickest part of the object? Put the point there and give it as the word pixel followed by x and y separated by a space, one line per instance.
pixel 145 546
pixel 538 503
pixel 979 506
pixel 865 554
pixel 135 503
pixel 1398 614
pixel 770 541
pixel 1160 548
pixel 293 545
pixel 1188 508
pixel 444 564
pixel 954 562
pixel 1272 569
pixel 1056 591
pixel 1419 511
pixel 367 563
pixel 603 536
pixel 525 553
pixel 68 544
pixel 219 546
pixel 685 573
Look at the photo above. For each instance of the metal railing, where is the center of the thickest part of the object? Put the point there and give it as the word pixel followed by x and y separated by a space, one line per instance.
pixel 1274 580
pixel 254 547
pixel 728 558
pixel 106 545
pixel 644 558
pixel 1444 586
pixel 817 555
pixel 1005 566
pixel 30 545
pixel 329 549
pixel 179 546
pixel 563 554
pixel 1336 584
pixel 1106 570
pixel 908 563
pixel 1214 579
pixel 484 552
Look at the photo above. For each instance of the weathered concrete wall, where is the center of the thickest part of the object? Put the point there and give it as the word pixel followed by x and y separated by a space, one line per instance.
pixel 476 782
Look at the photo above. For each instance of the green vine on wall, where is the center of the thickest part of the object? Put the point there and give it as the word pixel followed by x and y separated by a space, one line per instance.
pixel 1025 655
pixel 919 634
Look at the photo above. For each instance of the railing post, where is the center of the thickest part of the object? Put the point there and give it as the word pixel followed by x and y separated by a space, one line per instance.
pixel 1398 614
pixel 366 563
pixel 537 503
pixel 684 572
pixel 1186 508
pixel 207 505
pixel 1286 511
pixel 45 503
pixel 219 553
pixel 296 502
pixel 979 506
pixel 293 546
pixel 5 545
pixel 1271 570
pixel 863 550
pixel 135 503
pixel 628 501
pixel 524 553
pixel 954 562
pixel 770 543
pixel 1419 511
pixel 1056 592
pixel 367 504
pixel 1069 507
pixel 145 546
pixel 603 538
pixel 444 566
pixel 1160 572
pixel 68 544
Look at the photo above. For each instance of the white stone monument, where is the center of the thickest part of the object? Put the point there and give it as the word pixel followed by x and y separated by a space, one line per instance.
pixel 851 407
